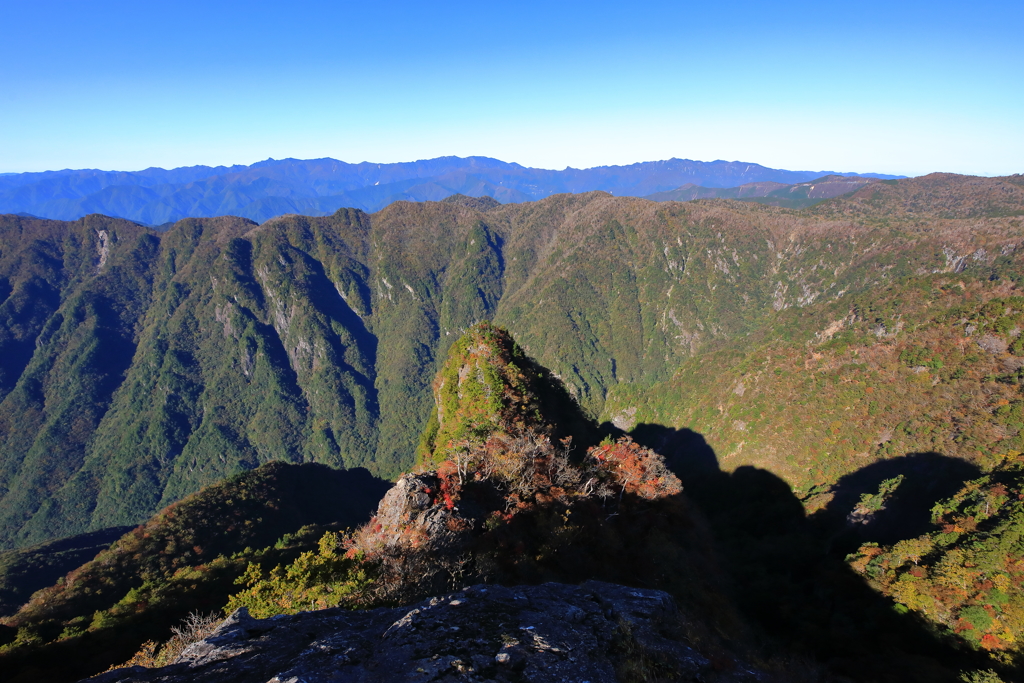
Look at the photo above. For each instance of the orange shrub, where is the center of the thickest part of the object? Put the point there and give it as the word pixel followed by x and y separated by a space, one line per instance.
pixel 635 469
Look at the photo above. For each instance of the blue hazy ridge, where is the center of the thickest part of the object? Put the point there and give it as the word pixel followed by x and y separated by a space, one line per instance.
pixel 155 196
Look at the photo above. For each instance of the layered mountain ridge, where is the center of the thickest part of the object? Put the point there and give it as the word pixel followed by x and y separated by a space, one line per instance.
pixel 140 366
pixel 794 196
pixel 316 187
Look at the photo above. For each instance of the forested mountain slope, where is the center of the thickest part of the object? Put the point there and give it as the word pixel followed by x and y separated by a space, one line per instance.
pixel 139 366
pixel 184 559
pixel 796 196
pixel 498 498
pixel 501 500
pixel 923 361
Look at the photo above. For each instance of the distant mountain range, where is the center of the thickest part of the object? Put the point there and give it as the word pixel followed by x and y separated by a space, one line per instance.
pixel 838 390
pixel 318 187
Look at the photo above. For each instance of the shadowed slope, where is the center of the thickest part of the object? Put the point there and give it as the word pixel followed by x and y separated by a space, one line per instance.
pixel 183 559
pixel 219 345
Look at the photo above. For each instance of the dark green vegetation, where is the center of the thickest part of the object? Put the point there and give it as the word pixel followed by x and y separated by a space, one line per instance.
pixel 140 366
pixel 852 366
pixel 504 504
pixel 488 383
pixel 317 187
pixel 185 558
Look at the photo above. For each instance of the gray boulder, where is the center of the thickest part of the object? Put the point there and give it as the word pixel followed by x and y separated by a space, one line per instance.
pixel 596 632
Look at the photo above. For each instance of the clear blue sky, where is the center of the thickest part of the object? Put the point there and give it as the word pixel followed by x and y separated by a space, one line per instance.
pixel 902 87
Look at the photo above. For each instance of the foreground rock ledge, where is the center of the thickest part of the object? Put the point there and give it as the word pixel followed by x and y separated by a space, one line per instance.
pixel 553 632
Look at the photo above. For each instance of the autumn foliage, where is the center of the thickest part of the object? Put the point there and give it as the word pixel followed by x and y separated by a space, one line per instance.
pixel 635 469
pixel 968 574
pixel 506 501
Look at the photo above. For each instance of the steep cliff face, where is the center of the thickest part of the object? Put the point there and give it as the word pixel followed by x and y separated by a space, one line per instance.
pixel 597 632
pixel 141 366
pixel 486 384
pixel 505 505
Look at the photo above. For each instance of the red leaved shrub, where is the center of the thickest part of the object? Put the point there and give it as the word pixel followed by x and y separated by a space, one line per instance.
pixel 631 468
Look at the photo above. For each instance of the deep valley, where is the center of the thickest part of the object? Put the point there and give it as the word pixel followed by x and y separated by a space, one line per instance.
pixel 800 415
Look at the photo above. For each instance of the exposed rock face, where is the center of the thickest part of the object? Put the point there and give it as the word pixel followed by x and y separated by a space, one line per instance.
pixel 418 542
pixel 411 502
pixel 554 632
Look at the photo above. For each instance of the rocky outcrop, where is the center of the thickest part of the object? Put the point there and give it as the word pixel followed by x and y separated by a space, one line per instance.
pixel 593 632
pixel 411 503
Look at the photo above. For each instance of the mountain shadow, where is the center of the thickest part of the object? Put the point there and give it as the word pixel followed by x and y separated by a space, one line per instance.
pixel 787 569
pixel 924 479
pixel 24 571
pixel 563 412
